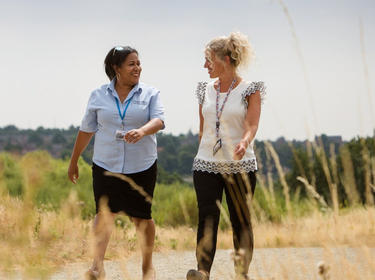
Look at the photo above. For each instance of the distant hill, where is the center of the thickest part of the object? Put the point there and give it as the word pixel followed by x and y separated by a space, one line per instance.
pixel 175 153
pixel 345 166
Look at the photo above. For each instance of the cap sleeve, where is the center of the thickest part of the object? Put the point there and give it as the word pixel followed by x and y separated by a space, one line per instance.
pixel 201 91
pixel 252 88
pixel 89 122
pixel 157 108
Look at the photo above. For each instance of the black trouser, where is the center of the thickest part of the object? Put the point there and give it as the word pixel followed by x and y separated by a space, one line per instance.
pixel 238 190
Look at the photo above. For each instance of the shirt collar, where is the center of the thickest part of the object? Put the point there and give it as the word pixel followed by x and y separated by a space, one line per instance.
pixel 111 89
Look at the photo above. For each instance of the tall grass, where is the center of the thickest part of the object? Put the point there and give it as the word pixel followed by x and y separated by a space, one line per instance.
pixel 281 175
pixel 46 222
pixel 320 151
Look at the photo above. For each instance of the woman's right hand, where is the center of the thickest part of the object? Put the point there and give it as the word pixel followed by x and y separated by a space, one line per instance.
pixel 82 140
pixel 73 172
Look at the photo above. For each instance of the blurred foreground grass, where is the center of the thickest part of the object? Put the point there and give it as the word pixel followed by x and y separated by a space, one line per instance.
pixel 45 220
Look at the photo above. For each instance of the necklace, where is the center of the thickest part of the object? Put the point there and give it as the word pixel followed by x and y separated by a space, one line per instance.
pixel 219 112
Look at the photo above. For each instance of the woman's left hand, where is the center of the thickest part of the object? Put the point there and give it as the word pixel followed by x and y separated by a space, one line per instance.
pixel 134 135
pixel 240 150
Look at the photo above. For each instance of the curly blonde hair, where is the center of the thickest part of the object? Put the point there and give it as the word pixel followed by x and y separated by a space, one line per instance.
pixel 236 46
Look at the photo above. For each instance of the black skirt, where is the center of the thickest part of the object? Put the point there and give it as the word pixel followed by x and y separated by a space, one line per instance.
pixel 131 194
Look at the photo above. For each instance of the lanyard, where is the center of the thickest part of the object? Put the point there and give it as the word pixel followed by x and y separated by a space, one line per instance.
pixel 122 116
pixel 219 112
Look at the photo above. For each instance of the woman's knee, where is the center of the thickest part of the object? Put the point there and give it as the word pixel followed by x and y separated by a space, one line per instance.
pixel 211 211
pixel 139 222
pixel 104 221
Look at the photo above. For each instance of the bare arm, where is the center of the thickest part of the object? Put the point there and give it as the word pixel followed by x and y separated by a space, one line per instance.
pixel 201 122
pixel 151 127
pixel 82 140
pixel 250 125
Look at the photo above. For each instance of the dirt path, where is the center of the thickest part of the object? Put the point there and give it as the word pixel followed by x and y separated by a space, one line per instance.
pixel 278 263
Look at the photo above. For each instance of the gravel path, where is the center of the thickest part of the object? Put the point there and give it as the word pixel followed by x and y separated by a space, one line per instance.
pixel 267 264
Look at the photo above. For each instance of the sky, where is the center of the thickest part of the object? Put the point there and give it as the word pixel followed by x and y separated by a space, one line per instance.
pixel 318 71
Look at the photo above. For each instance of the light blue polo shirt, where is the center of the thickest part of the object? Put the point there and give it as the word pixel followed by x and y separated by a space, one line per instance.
pixel 102 117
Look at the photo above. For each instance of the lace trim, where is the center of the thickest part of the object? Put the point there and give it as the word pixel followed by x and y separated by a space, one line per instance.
pixel 252 88
pixel 226 167
pixel 201 91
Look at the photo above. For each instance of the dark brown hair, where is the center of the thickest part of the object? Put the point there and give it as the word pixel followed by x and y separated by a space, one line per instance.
pixel 116 57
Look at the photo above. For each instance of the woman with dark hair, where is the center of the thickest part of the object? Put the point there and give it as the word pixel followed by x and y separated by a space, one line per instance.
pixel 124 116
pixel 229 112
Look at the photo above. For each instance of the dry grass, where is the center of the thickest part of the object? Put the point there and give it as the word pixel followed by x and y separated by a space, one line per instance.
pixel 353 228
pixel 281 174
pixel 37 242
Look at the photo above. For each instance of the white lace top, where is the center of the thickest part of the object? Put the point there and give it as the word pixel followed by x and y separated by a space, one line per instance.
pixel 231 129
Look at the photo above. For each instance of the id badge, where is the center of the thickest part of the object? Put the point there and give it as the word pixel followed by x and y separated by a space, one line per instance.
pixel 217 146
pixel 120 135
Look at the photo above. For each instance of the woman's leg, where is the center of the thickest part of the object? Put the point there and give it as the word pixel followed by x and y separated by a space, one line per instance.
pixel 103 222
pixel 238 191
pixel 146 235
pixel 209 189
pixel 103 225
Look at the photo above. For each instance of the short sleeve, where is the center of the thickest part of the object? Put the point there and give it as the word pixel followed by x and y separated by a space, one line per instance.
pixel 252 88
pixel 156 108
pixel 89 122
pixel 200 92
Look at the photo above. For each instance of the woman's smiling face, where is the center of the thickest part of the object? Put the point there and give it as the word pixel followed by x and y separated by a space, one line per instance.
pixel 130 70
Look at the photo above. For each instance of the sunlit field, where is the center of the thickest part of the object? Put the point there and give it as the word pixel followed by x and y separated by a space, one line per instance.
pixel 45 221
pixel 325 203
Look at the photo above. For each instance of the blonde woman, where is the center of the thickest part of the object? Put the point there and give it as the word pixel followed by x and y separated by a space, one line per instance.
pixel 229 112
